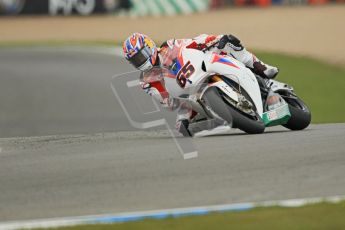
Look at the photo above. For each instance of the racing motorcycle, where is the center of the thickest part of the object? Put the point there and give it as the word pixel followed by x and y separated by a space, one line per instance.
pixel 222 90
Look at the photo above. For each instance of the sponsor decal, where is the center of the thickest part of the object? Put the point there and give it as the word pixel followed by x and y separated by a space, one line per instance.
pixel 223 60
pixel 272 115
pixel 67 7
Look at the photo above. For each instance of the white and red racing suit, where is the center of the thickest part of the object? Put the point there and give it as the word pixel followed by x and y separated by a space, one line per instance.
pixel 226 45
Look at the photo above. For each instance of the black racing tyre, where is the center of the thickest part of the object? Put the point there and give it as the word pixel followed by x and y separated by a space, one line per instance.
pixel 300 114
pixel 214 100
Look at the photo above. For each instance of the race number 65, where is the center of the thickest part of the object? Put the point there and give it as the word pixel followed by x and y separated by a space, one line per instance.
pixel 185 72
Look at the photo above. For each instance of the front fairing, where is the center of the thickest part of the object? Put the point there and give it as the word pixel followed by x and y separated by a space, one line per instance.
pixel 236 72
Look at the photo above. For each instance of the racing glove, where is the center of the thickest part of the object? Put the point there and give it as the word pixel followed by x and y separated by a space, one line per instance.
pixel 228 42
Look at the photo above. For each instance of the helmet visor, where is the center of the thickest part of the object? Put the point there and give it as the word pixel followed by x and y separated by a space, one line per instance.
pixel 141 57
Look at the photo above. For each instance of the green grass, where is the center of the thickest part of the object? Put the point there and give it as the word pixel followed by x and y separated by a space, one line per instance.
pixel 318 216
pixel 320 85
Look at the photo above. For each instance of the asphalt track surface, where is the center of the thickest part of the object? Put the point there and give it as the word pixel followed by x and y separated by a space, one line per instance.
pixel 47 91
pixel 103 166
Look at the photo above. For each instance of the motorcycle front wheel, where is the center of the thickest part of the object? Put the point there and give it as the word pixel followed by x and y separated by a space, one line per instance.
pixel 216 103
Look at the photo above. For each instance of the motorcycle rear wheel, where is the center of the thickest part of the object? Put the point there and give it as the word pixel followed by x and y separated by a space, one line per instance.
pixel 300 114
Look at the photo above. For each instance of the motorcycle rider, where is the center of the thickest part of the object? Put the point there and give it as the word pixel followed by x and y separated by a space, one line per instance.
pixel 143 54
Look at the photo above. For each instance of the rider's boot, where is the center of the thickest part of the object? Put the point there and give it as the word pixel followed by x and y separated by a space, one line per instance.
pixel 184 114
pixel 264 70
pixel 231 45
pixel 182 127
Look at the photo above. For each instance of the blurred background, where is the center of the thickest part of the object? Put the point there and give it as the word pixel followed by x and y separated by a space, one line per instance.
pixel 67 148
pixel 136 7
